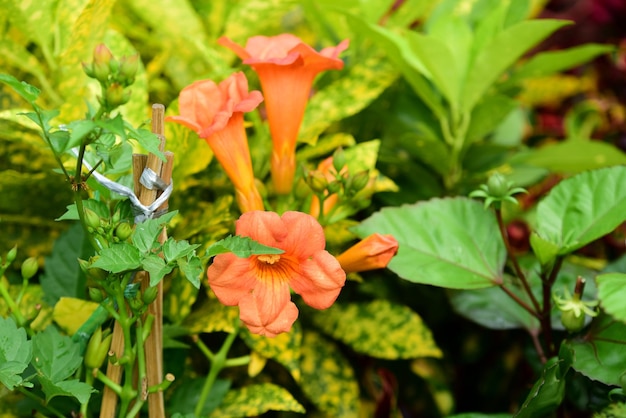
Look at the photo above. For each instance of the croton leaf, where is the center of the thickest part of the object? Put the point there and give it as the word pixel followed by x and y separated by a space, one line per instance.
pixel 257 399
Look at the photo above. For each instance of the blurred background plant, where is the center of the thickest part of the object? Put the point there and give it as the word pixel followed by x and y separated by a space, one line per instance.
pixel 434 97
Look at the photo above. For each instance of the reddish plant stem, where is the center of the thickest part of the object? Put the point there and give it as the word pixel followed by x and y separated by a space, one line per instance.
pixel 518 270
pixel 546 323
pixel 520 302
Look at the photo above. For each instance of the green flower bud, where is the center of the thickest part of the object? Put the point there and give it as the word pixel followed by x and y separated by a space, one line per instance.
pixel 88 69
pixel 11 254
pixel 334 186
pixel 497 185
pixel 317 181
pixel 149 295
pixel 29 268
pixel 339 159
pixel 128 69
pixel 360 180
pixel 136 304
pixel 573 321
pixel 123 231
pixel 96 294
pixel 102 58
pixel 97 349
pixel 115 96
pixel 92 219
pixel 117 216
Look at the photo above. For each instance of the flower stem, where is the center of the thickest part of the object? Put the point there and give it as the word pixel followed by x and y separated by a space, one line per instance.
pixel 218 362
pixel 15 310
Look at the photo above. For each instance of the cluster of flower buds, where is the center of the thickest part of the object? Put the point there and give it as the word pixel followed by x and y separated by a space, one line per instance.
pixel 107 230
pixel 114 75
pixel 98 348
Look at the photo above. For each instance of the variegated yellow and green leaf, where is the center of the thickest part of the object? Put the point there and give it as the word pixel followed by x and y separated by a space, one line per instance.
pixel 31 305
pixel 253 400
pixel 328 379
pixel 380 329
pixel 71 313
pixel 364 82
pixel 284 348
pixel 212 316
pixel 254 17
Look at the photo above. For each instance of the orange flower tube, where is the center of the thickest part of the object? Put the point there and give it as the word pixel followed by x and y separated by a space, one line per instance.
pixel 286 67
pixel 215 113
pixel 373 252
pixel 260 284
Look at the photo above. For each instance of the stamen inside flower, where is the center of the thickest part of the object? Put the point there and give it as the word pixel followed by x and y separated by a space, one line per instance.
pixel 269 258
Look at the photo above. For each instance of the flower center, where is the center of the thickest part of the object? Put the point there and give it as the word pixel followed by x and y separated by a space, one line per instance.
pixel 269 258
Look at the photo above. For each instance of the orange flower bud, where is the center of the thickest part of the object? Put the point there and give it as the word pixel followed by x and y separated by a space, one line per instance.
pixel 371 253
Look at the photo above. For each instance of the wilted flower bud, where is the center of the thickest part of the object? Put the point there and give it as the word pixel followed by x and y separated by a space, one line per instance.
pixel 29 268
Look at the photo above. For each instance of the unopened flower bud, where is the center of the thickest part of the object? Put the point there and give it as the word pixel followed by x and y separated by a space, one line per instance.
pixel 334 186
pixel 97 348
pixel 149 295
pixel 123 231
pixel 373 252
pixel 136 304
pixel 11 254
pixel 573 321
pixel 88 69
pixel 92 219
pixel 29 268
pixel 128 69
pixel 102 58
pixel 96 294
pixel 116 96
pixel 360 180
pixel 339 159
pixel 317 181
pixel 497 185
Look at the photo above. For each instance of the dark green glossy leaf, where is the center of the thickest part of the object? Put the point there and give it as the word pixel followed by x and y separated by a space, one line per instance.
pixel 547 393
pixel 443 242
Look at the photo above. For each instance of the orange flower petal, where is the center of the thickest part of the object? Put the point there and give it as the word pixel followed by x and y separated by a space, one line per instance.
pixel 268 310
pixel 320 281
pixel 373 252
pixel 262 226
pixel 231 278
pixel 302 226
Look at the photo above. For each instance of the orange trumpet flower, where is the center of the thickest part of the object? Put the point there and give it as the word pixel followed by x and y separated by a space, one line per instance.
pixel 260 284
pixel 373 252
pixel 215 113
pixel 286 67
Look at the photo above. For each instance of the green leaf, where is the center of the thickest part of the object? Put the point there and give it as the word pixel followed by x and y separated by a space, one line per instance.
pixel 240 246
pixel 257 399
pixel 74 388
pixel 147 232
pixel 488 114
pixel 284 348
pixel 599 355
pixel 574 156
pixel 15 353
pixel 612 294
pixel 192 269
pixel 62 275
pixel 99 207
pixel 547 393
pixel 79 130
pixel 451 242
pixel 118 258
pixel 501 53
pixel 25 90
pixel 157 268
pixel 55 356
pixel 328 379
pixel 173 249
pixel 551 62
pixel 479 415
pixel 148 140
pixel 379 328
pixel 187 395
pixel 582 208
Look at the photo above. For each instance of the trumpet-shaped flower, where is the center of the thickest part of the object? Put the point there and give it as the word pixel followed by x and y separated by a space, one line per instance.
pixel 215 112
pixel 373 252
pixel 260 284
pixel 286 67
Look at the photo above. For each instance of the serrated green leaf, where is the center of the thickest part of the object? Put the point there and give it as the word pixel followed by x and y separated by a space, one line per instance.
pixel 366 81
pixel 451 242
pixel 284 348
pixel 192 269
pixel 328 379
pixel 379 328
pixel 146 139
pixel 612 294
pixel 63 275
pixel 99 207
pixel 55 356
pixel 157 268
pixel 28 92
pixel 499 54
pixel 74 388
pixel 15 353
pixel 257 399
pixel 147 232
pixel 79 130
pixel 118 258
pixel 582 208
pixel 599 355
pixel 173 249
pixel 240 246
pixel 574 156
